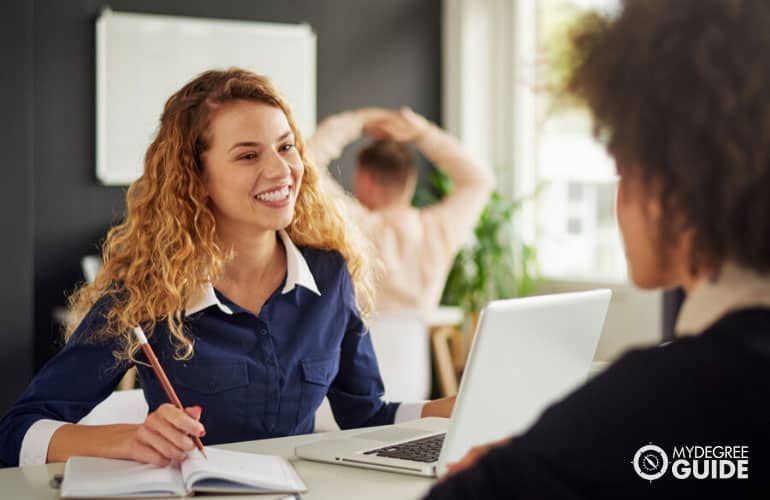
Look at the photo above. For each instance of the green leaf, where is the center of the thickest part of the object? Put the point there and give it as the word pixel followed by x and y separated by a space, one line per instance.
pixel 493 266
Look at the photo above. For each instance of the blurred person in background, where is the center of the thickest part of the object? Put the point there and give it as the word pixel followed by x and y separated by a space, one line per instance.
pixel 416 246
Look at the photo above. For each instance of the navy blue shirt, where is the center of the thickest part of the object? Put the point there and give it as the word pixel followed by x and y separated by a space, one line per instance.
pixel 254 376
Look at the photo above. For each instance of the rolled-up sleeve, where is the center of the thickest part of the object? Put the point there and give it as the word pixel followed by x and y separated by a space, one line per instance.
pixel 34 447
pixel 81 375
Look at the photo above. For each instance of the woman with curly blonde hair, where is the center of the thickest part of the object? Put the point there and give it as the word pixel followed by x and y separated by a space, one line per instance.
pixel 247 279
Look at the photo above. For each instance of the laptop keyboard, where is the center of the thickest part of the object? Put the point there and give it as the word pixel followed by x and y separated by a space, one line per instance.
pixel 419 450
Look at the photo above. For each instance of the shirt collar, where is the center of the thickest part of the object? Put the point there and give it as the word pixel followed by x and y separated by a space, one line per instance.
pixel 297 273
pixel 736 288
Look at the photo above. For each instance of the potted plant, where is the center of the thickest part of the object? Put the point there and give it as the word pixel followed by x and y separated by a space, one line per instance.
pixel 495 264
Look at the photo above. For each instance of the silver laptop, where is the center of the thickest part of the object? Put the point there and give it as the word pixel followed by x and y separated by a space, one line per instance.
pixel 527 353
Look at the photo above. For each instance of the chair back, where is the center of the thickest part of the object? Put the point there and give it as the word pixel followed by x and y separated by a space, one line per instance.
pixel 402 347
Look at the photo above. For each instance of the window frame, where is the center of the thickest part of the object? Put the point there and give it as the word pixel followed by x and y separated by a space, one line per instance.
pixel 486 44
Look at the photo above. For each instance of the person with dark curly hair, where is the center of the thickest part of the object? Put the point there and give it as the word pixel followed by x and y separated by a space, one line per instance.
pixel 678 90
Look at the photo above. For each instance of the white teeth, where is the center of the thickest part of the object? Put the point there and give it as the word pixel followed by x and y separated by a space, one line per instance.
pixel 277 195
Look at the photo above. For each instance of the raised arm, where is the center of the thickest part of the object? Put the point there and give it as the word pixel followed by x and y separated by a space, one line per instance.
pixel 331 137
pixel 455 216
pixel 337 131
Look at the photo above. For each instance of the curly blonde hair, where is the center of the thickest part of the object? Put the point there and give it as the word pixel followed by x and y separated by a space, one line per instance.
pixel 165 250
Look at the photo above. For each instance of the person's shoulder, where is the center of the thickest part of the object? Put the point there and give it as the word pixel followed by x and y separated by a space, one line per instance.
pixel 731 341
pixel 635 379
pixel 330 273
pixel 94 321
pixel 728 337
pixel 319 257
pixel 665 360
pixel 325 265
pixel 675 371
pixel 638 367
pixel 645 388
pixel 741 325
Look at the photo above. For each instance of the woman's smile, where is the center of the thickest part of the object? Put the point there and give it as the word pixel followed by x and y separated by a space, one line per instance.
pixel 276 197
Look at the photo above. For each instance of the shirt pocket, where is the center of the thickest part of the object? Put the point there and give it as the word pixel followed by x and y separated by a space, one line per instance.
pixel 317 376
pixel 221 389
pixel 212 377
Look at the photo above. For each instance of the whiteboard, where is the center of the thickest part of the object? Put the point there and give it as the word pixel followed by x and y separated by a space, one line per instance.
pixel 141 59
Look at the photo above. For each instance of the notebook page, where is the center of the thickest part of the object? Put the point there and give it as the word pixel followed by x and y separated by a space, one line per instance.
pixel 248 470
pixel 92 477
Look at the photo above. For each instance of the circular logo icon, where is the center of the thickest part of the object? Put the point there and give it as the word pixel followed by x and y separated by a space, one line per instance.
pixel 650 462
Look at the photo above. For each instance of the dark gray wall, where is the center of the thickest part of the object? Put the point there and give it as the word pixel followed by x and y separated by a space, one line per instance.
pixel 369 53
pixel 16 217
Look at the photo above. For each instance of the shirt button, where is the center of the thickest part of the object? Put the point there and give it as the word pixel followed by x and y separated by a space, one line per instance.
pixel 263 332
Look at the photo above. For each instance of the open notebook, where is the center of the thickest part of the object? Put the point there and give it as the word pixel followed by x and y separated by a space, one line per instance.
pixel 223 472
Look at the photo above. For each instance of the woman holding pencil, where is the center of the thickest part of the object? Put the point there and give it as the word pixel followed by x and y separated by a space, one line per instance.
pixel 249 285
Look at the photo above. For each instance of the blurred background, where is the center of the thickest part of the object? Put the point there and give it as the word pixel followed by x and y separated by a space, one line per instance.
pixel 483 69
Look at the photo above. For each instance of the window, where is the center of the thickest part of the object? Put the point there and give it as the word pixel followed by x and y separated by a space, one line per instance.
pixel 494 71
pixel 573 220
pixel 492 55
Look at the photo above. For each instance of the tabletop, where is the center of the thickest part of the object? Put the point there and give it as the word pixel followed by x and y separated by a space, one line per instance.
pixel 324 481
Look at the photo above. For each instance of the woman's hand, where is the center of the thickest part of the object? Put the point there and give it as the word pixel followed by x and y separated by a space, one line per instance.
pixel 439 407
pixel 471 457
pixel 164 436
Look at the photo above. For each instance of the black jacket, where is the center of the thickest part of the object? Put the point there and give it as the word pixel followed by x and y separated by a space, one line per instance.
pixel 712 389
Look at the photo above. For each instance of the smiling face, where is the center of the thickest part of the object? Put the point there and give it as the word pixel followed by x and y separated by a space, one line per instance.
pixel 252 170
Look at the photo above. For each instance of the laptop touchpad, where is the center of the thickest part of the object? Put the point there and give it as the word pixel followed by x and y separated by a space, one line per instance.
pixel 394 434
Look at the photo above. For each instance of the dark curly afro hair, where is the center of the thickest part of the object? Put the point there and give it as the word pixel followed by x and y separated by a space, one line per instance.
pixel 679 92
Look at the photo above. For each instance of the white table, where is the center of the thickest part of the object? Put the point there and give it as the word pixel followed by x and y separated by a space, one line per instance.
pixel 324 481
